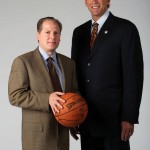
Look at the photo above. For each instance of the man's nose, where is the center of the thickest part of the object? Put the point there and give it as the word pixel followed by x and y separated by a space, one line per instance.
pixel 52 35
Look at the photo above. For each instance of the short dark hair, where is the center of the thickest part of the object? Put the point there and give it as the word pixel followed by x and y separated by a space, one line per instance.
pixel 40 23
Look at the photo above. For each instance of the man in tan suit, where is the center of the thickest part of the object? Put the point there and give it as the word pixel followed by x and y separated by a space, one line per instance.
pixel 30 87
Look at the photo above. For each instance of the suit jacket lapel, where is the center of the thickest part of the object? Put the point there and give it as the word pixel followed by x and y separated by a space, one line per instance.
pixel 103 33
pixel 40 65
pixel 86 35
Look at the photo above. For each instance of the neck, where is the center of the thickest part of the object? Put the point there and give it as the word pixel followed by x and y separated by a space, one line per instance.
pixel 96 17
pixel 49 53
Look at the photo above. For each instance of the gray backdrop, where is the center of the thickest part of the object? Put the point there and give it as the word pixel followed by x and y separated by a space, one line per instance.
pixel 18 20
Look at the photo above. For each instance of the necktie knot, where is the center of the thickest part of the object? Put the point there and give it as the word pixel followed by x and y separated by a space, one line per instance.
pixel 50 63
pixel 95 25
pixel 49 60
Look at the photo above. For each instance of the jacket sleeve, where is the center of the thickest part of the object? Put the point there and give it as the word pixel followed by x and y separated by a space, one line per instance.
pixel 19 91
pixel 132 67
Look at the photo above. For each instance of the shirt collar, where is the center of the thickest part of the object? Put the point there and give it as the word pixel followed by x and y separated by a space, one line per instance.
pixel 102 19
pixel 45 56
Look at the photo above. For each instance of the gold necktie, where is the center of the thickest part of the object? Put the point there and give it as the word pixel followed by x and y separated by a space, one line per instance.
pixel 53 75
pixel 93 34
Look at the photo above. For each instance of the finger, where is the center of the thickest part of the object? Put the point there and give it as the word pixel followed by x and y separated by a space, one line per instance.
pixel 123 135
pixel 60 93
pixel 127 135
pixel 56 109
pixel 127 130
pixel 131 133
pixel 53 111
pixel 59 106
pixel 60 99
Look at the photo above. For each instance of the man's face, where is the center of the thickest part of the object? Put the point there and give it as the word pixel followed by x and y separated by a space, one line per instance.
pixel 97 7
pixel 49 36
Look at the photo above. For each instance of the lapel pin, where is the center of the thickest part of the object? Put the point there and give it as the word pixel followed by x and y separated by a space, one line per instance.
pixel 106 31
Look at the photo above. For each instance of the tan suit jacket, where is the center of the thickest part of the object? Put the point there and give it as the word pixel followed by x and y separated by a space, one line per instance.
pixel 29 88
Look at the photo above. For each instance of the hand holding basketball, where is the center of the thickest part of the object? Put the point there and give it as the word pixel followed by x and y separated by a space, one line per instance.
pixel 55 101
pixel 74 110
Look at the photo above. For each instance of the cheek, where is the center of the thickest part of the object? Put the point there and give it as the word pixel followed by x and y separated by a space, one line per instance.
pixel 40 37
pixel 43 40
pixel 58 41
pixel 58 38
pixel 106 2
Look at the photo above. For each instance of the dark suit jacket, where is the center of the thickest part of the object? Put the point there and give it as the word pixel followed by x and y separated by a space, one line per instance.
pixel 29 88
pixel 110 78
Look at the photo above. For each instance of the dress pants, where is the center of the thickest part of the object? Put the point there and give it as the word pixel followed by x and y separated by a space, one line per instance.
pixel 103 143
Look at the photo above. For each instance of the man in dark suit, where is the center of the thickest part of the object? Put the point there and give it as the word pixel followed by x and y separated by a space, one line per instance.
pixel 110 78
pixel 31 87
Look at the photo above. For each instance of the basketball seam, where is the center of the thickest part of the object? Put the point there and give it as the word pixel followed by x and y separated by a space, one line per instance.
pixel 72 109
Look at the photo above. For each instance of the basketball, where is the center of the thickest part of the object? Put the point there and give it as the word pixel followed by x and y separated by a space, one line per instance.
pixel 74 110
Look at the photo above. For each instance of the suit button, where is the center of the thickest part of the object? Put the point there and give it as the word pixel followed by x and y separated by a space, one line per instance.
pixel 88 64
pixel 87 81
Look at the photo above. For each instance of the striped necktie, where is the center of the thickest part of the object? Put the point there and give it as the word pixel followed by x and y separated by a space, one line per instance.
pixel 93 34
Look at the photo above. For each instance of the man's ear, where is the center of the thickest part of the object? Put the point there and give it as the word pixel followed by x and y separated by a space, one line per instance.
pixel 37 35
pixel 85 2
pixel 108 1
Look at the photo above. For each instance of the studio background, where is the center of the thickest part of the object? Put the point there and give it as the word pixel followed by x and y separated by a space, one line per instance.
pixel 18 19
